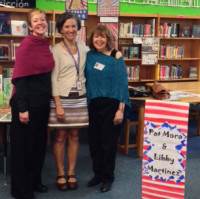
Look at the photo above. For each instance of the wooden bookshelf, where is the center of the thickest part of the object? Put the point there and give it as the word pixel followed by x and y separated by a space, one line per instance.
pixel 191 46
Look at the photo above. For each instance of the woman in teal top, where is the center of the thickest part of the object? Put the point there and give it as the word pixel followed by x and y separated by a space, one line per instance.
pixel 107 95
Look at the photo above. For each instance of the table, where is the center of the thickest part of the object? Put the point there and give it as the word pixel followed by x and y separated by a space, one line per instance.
pixel 192 87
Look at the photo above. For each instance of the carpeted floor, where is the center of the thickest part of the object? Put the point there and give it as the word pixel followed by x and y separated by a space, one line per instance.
pixel 127 183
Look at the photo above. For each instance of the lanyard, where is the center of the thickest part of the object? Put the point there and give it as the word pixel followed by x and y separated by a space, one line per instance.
pixel 76 64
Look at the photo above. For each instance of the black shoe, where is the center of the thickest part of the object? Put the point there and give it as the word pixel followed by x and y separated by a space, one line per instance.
pixel 41 188
pixel 94 181
pixel 106 186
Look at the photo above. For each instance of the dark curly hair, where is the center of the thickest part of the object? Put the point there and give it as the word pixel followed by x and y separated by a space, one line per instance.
pixel 104 31
pixel 64 17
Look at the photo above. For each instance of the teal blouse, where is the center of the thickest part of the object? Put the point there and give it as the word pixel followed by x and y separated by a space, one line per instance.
pixel 111 81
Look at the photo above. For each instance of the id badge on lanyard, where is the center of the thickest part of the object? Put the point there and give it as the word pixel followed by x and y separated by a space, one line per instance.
pixel 79 85
pixel 77 65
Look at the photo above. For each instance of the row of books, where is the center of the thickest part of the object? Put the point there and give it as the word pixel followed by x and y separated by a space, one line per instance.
pixel 130 52
pixel 137 30
pixel 171 52
pixel 133 73
pixel 8 51
pixel 191 31
pixel 168 30
pixel 171 30
pixel 164 72
pixel 19 27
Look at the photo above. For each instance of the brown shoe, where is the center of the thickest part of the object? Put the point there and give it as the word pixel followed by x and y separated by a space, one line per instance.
pixel 61 186
pixel 72 185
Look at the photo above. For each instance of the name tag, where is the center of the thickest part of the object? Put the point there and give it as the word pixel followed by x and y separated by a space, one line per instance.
pixel 99 66
pixel 79 85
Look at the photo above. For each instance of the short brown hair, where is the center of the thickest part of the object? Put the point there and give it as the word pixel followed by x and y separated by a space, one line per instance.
pixel 33 12
pixel 64 17
pixel 102 30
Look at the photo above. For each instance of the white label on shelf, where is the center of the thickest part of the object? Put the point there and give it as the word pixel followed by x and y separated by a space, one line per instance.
pixel 108 19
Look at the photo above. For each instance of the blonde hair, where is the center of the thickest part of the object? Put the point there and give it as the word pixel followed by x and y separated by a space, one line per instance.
pixel 33 12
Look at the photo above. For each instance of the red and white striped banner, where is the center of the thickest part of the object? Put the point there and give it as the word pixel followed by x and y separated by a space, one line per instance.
pixel 164 150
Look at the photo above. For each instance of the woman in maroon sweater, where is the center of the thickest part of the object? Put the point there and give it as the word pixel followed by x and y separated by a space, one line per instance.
pixel 30 108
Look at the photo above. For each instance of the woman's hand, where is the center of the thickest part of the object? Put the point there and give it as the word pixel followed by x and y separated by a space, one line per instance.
pixel 24 117
pixel 60 113
pixel 118 119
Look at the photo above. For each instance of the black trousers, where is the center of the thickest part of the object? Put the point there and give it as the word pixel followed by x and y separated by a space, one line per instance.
pixel 28 147
pixel 103 137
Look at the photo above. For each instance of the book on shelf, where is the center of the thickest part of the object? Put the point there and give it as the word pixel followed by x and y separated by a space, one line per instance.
pixel 130 52
pixel 152 22
pixel 168 30
pixel 171 52
pixel 136 30
pixel 185 31
pixel 195 31
pixel 7 90
pixel 133 73
pixel 125 51
pixel 50 30
pixel 134 52
pixel 157 72
pixel 4 52
pixel 7 72
pixel 19 27
pixel 165 72
pixel 1 79
pixel 193 72
pixel 5 23
pixel 13 49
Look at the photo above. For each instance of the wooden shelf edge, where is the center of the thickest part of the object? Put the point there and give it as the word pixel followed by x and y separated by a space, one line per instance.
pixel 125 59
pixel 180 38
pixel 147 80
pixel 179 80
pixel 181 17
pixel 16 36
pixel 138 15
pixel 180 59
pixel 7 61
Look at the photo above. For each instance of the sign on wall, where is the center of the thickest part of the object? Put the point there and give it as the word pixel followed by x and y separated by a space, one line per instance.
pixel 78 7
pixel 19 3
pixel 108 8
pixel 164 149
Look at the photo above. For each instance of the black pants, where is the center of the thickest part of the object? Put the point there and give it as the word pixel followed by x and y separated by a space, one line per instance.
pixel 28 147
pixel 103 137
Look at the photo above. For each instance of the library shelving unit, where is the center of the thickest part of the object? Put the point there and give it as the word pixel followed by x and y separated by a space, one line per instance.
pixel 19 14
pixel 147 73
pixel 191 46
